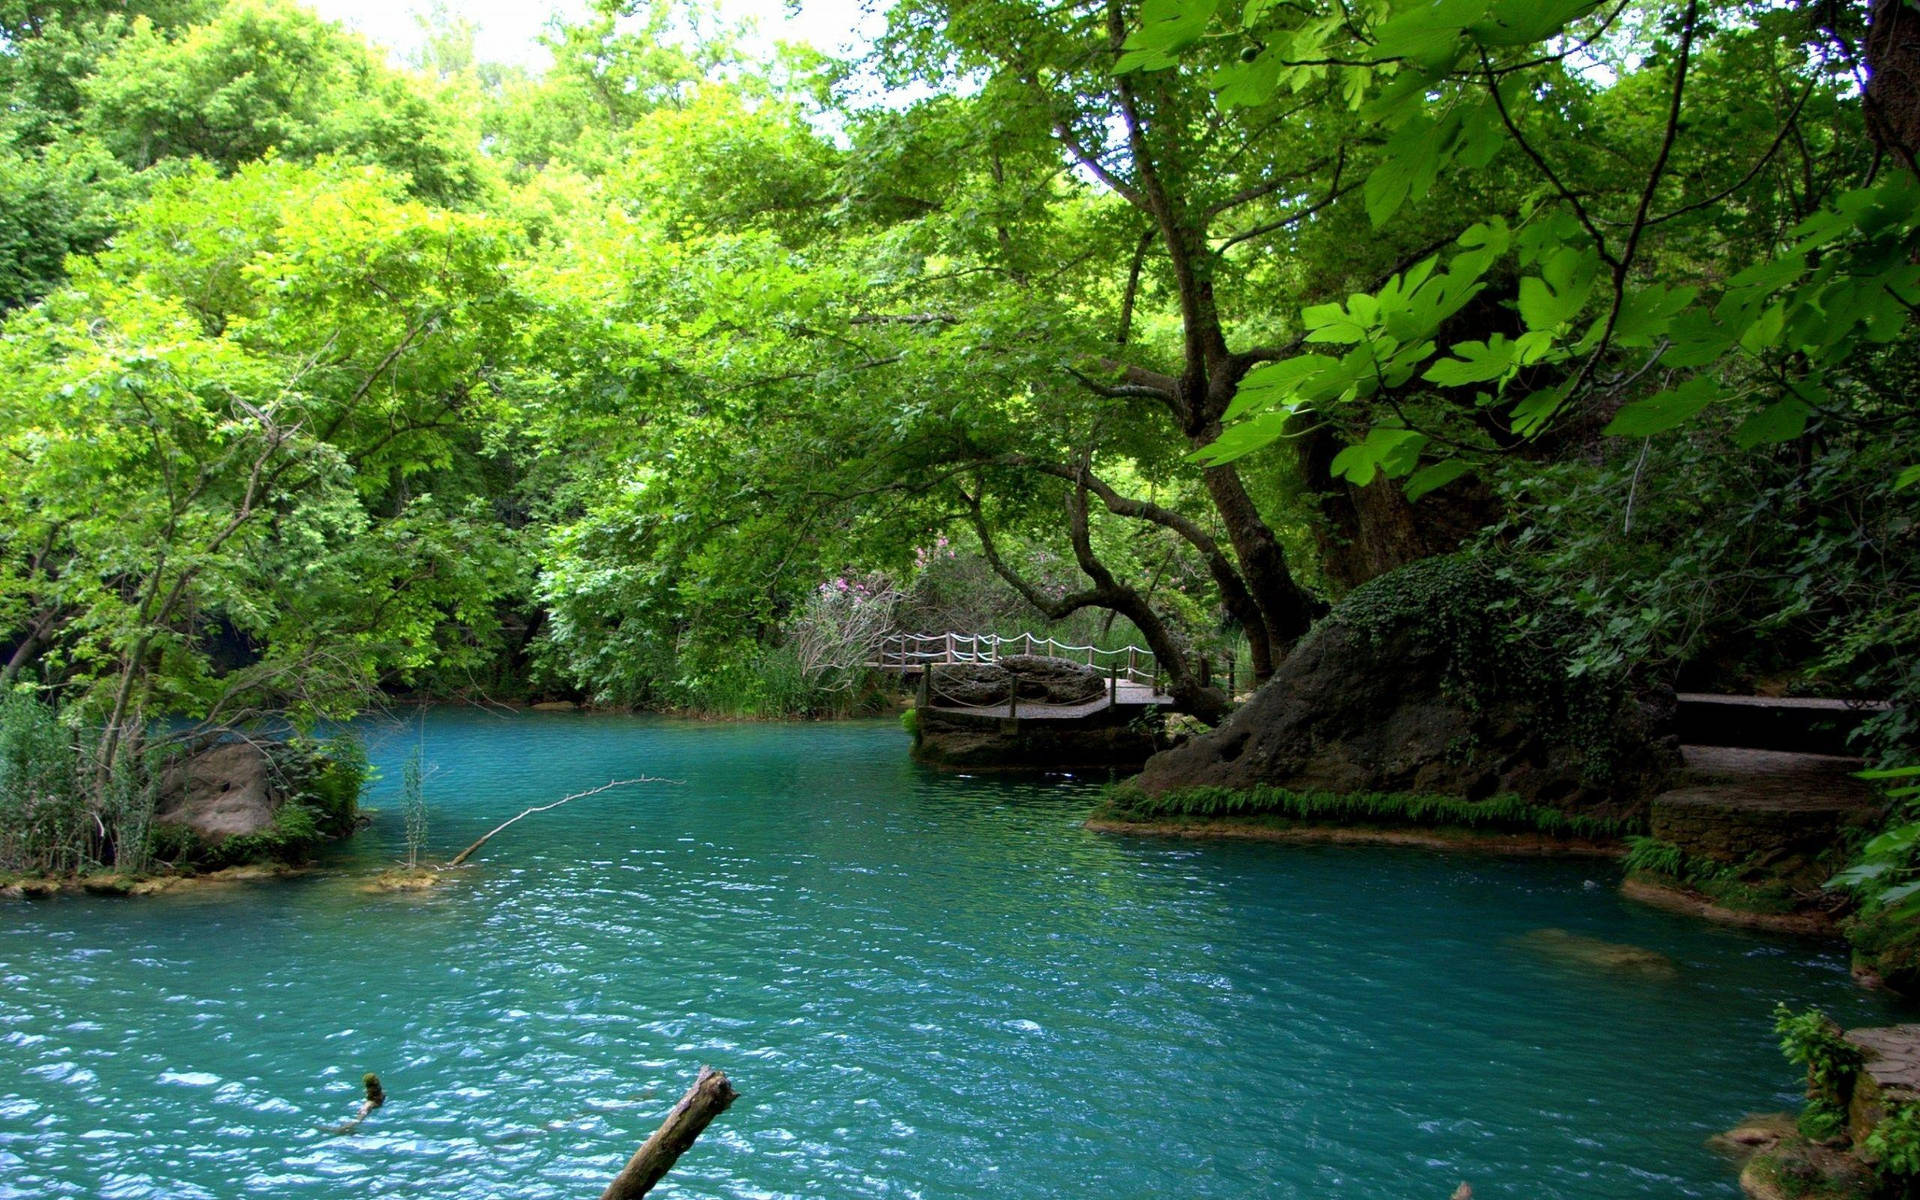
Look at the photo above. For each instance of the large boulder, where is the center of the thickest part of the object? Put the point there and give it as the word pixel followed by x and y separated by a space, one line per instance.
pixel 1439 679
pixel 1040 680
pixel 230 789
pixel 241 801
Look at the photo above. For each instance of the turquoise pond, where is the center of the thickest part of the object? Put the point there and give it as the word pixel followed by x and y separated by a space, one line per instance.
pixel 924 985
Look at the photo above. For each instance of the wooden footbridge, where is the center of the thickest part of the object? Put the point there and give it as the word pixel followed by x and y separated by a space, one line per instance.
pixel 1132 673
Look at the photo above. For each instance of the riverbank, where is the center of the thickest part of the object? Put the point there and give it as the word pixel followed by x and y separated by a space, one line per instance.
pixel 1677 898
pixel 28 887
pixel 1530 845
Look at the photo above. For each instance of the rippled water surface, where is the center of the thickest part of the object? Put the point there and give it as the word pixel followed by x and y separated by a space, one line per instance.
pixel 923 985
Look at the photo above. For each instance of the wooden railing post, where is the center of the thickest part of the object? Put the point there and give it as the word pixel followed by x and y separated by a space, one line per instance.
pixel 1233 660
pixel 1113 684
pixel 1013 697
pixel 926 685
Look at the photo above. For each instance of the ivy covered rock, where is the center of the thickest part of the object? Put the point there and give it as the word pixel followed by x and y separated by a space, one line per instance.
pixel 245 801
pixel 1441 678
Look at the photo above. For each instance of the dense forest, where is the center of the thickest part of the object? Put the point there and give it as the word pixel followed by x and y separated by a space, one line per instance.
pixel 670 376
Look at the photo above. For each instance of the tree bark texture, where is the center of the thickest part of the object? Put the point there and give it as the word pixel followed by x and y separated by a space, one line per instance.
pixel 1893 79
pixel 709 1096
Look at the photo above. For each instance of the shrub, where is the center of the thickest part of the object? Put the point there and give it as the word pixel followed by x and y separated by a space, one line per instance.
pixel 44 818
pixel 1811 1040
pixel 1894 1145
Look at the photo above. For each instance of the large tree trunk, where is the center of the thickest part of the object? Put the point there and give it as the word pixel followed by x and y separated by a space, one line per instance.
pixel 1893 79
pixel 1368 531
pixel 1286 609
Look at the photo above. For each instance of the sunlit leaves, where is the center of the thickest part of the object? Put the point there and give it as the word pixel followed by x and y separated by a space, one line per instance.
pixel 1166 28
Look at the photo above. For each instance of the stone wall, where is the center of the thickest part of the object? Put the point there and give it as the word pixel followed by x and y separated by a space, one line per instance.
pixel 1105 739
pixel 1707 824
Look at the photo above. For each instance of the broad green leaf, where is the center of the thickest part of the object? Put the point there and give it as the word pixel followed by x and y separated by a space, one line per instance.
pixel 1532 414
pixel 1551 298
pixel 1764 333
pixel 1242 439
pixel 1781 421
pixel 1664 411
pixel 1394 451
pixel 1280 384
pixel 1476 362
pixel 1646 314
pixel 1771 274
pixel 1898 840
pixel 1429 35
pixel 1166 28
pixel 1524 22
pixel 1860 873
pixel 1386 189
pixel 1435 476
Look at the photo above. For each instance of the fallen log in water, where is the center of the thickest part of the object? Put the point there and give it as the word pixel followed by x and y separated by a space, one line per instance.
pixel 468 852
pixel 706 1099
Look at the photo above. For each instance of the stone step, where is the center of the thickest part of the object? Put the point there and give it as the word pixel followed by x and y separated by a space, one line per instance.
pixel 1889 1073
pixel 1795 724
pixel 1734 803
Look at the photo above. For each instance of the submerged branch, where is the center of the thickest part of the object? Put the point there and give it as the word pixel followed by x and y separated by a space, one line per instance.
pixel 464 855
pixel 709 1096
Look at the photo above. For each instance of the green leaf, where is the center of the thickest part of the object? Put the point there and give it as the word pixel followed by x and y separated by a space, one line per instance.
pixel 1391 450
pixel 1551 298
pixel 1907 478
pixel 1242 439
pixel 1898 840
pixel 1166 28
pixel 1781 421
pixel 1436 475
pixel 1524 22
pixel 1531 415
pixel 1429 35
pixel 1386 189
pixel 1646 313
pixel 1698 339
pixel 1764 333
pixel 1477 362
pixel 1283 384
pixel 1664 411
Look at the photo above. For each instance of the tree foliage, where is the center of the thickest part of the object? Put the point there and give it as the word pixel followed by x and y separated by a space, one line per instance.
pixel 1173 318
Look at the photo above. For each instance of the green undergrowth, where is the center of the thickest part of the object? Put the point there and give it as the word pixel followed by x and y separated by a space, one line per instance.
pixel 1507 646
pixel 1824 1162
pixel 1746 886
pixel 1503 814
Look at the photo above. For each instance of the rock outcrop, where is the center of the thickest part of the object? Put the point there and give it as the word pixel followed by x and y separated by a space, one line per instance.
pixel 1040 681
pixel 1420 682
pixel 242 801
pixel 230 789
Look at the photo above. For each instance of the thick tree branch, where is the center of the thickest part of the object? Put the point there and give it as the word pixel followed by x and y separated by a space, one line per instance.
pixel 1234 594
pixel 1132 293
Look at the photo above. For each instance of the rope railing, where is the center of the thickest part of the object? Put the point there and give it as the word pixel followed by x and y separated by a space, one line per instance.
pixel 914 651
